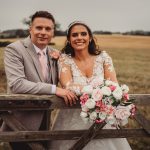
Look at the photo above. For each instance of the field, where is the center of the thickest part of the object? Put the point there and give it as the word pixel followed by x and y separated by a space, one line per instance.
pixel 131 58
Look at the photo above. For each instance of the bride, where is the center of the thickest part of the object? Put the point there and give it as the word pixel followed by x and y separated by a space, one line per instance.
pixel 81 63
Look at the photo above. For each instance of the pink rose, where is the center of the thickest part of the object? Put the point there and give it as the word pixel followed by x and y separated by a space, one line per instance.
pixel 112 87
pixel 126 96
pixel 98 103
pixel 98 121
pixel 97 94
pixel 84 98
pixel 109 109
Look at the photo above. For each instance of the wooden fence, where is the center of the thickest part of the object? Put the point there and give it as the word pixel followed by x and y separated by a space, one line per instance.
pixel 49 103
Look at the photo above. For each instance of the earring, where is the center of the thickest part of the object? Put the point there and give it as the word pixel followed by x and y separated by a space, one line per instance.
pixel 68 42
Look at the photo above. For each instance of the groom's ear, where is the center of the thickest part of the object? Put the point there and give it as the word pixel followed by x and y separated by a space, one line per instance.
pixel 30 28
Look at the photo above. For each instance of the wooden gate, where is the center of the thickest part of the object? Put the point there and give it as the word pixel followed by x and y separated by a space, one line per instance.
pixel 49 103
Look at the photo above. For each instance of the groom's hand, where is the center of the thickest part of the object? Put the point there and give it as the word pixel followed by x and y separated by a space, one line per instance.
pixel 69 97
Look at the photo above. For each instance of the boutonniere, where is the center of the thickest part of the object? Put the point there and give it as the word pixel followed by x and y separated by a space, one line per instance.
pixel 54 54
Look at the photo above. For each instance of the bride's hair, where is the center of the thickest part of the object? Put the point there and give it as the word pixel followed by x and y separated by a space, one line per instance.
pixel 93 47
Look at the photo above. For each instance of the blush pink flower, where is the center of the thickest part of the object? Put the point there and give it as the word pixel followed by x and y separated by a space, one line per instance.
pixel 109 109
pixel 99 103
pixel 99 121
pixel 84 98
pixel 112 87
pixel 126 96
pixel 122 112
pixel 97 94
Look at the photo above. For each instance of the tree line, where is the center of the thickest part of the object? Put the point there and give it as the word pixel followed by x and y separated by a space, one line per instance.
pixel 18 33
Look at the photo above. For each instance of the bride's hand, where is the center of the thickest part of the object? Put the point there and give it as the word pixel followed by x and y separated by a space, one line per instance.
pixel 69 97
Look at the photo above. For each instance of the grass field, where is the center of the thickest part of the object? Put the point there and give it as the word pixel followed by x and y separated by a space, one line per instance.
pixel 131 57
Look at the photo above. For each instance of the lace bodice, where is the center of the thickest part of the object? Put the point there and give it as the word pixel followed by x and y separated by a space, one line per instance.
pixel 72 78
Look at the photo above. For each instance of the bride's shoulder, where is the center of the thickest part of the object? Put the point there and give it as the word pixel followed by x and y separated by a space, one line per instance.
pixel 64 58
pixel 103 55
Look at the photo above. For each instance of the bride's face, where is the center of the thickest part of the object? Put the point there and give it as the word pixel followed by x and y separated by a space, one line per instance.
pixel 79 38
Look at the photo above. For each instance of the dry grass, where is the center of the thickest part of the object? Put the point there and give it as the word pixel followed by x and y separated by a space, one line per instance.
pixel 131 57
pixel 2 73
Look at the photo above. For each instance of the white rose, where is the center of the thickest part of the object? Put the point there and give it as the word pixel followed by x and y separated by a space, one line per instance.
pixel 83 114
pixel 125 88
pixel 115 84
pixel 106 91
pixel 122 112
pixel 90 103
pixel 97 94
pixel 87 89
pixel 117 93
pixel 108 82
pixel 93 115
pixel 102 115
pixel 84 108
pixel 111 120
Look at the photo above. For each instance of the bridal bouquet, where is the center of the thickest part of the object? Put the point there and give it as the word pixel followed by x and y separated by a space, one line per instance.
pixel 106 101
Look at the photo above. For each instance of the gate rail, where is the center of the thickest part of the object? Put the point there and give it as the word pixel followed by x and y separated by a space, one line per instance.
pixel 49 103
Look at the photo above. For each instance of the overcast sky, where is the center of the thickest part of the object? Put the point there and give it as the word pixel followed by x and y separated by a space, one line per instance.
pixel 110 15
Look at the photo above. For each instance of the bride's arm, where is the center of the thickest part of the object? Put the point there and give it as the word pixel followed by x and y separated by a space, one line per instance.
pixel 65 75
pixel 109 71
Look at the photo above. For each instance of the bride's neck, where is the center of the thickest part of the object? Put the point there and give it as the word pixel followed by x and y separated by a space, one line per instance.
pixel 81 56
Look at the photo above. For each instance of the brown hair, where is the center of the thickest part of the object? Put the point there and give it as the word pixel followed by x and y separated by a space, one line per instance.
pixel 43 14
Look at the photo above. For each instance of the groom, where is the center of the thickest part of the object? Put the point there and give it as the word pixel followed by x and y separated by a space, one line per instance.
pixel 24 61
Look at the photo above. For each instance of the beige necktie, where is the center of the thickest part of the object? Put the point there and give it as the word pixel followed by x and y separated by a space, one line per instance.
pixel 43 63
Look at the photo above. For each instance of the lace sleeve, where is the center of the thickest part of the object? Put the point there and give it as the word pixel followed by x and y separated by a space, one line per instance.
pixel 109 71
pixel 65 75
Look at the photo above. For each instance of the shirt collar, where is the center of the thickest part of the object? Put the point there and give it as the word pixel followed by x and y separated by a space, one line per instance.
pixel 38 49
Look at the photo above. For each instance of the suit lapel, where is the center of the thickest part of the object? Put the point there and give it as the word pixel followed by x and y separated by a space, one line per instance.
pixel 30 49
pixel 50 62
pixel 52 68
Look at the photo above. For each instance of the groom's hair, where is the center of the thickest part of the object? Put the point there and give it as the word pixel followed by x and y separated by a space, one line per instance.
pixel 43 14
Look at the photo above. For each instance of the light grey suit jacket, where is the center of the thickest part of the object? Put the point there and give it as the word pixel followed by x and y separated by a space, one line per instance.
pixel 24 75
pixel 23 70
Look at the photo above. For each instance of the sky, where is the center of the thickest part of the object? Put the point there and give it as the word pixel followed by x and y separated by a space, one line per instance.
pixel 104 15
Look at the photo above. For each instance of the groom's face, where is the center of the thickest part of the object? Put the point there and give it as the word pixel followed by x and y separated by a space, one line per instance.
pixel 41 31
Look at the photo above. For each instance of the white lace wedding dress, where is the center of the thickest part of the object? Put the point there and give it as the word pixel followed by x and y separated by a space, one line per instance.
pixel 69 119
